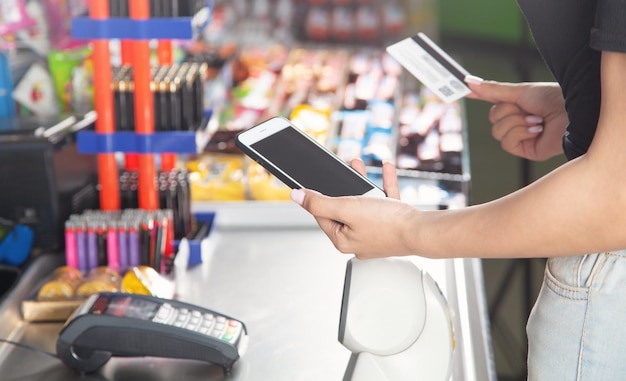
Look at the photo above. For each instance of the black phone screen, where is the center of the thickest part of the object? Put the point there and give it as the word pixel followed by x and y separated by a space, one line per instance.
pixel 310 165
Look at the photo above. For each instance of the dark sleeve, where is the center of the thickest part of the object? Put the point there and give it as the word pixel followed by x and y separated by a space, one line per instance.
pixel 609 31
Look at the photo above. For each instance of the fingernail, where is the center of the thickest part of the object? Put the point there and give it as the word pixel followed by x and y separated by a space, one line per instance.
pixel 535 129
pixel 297 196
pixel 473 79
pixel 534 119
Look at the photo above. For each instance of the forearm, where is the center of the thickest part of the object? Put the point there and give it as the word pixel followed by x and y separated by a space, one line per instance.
pixel 570 211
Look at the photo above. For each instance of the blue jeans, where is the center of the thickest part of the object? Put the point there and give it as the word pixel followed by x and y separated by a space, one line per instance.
pixel 577 328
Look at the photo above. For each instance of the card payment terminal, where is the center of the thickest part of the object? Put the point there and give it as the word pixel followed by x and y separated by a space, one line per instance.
pixel 114 324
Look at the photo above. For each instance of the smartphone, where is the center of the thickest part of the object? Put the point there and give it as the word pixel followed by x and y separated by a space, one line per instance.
pixel 299 161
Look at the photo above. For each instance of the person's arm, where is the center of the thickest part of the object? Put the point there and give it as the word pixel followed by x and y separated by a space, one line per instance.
pixel 578 208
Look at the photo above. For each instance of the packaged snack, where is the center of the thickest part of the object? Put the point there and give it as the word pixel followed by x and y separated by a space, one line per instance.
pixel 72 75
pixel 316 122
pixel 368 24
pixel 99 279
pixel 36 92
pixel 62 285
pixel 217 177
pixel 317 23
pixel 342 24
pixel 393 19
pixel 145 280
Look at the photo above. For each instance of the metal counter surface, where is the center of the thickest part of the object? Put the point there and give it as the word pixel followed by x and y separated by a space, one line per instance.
pixel 286 285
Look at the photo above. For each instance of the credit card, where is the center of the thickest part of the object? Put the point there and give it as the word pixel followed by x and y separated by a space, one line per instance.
pixel 432 66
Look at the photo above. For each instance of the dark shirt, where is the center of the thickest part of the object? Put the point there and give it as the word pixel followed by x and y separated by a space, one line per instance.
pixel 570 35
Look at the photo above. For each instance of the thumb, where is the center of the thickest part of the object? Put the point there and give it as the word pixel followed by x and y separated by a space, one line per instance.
pixel 312 201
pixel 493 91
pixel 319 206
pixel 297 196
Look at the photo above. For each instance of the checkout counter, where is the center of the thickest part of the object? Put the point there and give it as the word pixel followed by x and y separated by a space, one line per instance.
pixel 271 267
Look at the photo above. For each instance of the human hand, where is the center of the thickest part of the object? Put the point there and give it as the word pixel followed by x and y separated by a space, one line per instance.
pixel 369 227
pixel 528 119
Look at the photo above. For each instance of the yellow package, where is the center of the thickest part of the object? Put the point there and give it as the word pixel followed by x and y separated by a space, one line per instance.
pixel 217 178
pixel 62 285
pixel 99 279
pixel 146 280
pixel 315 122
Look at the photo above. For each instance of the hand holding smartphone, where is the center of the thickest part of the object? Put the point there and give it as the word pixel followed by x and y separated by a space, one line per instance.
pixel 300 162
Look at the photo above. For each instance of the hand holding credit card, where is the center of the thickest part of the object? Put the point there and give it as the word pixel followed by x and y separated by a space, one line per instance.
pixel 431 66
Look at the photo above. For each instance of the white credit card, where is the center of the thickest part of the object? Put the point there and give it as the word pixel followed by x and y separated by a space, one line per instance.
pixel 431 66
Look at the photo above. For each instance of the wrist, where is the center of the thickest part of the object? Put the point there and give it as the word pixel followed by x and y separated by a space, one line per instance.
pixel 418 233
